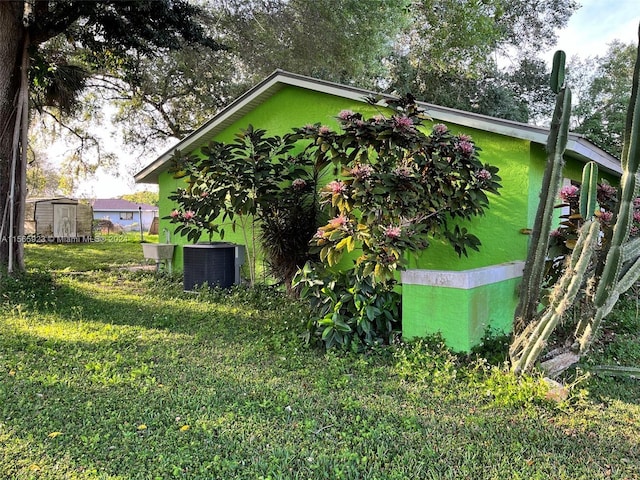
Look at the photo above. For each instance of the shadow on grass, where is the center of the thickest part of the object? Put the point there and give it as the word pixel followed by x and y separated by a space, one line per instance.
pixel 132 363
pixel 243 318
pixel 132 299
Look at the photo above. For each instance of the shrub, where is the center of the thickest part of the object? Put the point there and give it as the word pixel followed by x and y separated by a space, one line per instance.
pixel 399 187
pixel 350 311
pixel 254 183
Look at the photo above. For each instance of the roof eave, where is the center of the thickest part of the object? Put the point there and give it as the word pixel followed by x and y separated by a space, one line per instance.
pixel 586 151
pixel 267 87
pixel 577 146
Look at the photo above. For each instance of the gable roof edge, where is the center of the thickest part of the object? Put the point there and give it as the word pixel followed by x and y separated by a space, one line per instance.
pixel 578 146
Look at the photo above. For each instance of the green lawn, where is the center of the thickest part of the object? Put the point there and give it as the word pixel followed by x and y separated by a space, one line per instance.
pixel 120 375
pixel 106 252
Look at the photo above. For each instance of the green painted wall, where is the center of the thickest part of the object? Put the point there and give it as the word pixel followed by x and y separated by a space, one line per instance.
pixel 499 230
pixel 535 174
pixel 461 316
pixel 288 108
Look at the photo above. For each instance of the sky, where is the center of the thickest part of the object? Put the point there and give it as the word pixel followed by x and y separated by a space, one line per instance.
pixel 591 28
pixel 596 24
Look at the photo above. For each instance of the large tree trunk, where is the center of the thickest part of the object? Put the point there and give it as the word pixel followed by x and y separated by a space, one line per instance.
pixel 12 42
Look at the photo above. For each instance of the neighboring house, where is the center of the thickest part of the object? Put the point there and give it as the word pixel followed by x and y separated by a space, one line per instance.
pixel 459 297
pixel 57 219
pixel 124 213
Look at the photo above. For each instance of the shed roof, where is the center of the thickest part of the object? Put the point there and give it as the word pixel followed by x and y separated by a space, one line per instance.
pixel 578 146
pixel 52 200
pixel 120 205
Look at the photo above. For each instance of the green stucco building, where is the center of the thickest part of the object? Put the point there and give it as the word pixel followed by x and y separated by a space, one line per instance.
pixel 459 297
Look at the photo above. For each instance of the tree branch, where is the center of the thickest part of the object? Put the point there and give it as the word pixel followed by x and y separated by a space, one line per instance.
pixel 48 24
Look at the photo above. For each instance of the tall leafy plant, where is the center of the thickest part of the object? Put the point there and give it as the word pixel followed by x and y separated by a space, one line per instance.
pixel 398 187
pixel 289 221
pixel 254 183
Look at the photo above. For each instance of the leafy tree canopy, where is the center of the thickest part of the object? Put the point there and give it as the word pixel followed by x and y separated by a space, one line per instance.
pixel 448 56
pixel 90 36
pixel 88 63
pixel 342 41
pixel 442 51
pixel 147 197
pixel 603 93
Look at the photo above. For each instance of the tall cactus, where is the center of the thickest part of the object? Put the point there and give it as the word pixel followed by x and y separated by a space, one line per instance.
pixel 589 194
pixel 534 268
pixel 621 268
pixel 563 296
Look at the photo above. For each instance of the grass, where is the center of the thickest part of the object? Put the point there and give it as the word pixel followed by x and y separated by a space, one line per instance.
pixel 121 375
pixel 104 253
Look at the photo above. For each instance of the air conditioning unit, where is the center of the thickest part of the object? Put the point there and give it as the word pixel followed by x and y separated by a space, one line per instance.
pixel 216 264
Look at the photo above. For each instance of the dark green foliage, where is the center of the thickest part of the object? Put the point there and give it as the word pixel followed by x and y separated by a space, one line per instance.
pixel 118 27
pixel 286 228
pixel 230 181
pixel 450 61
pixel 493 347
pixel 519 94
pixel 73 39
pixel 349 312
pixel 398 187
pixel 336 41
pixel 56 80
pixel 255 184
pixel 352 42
